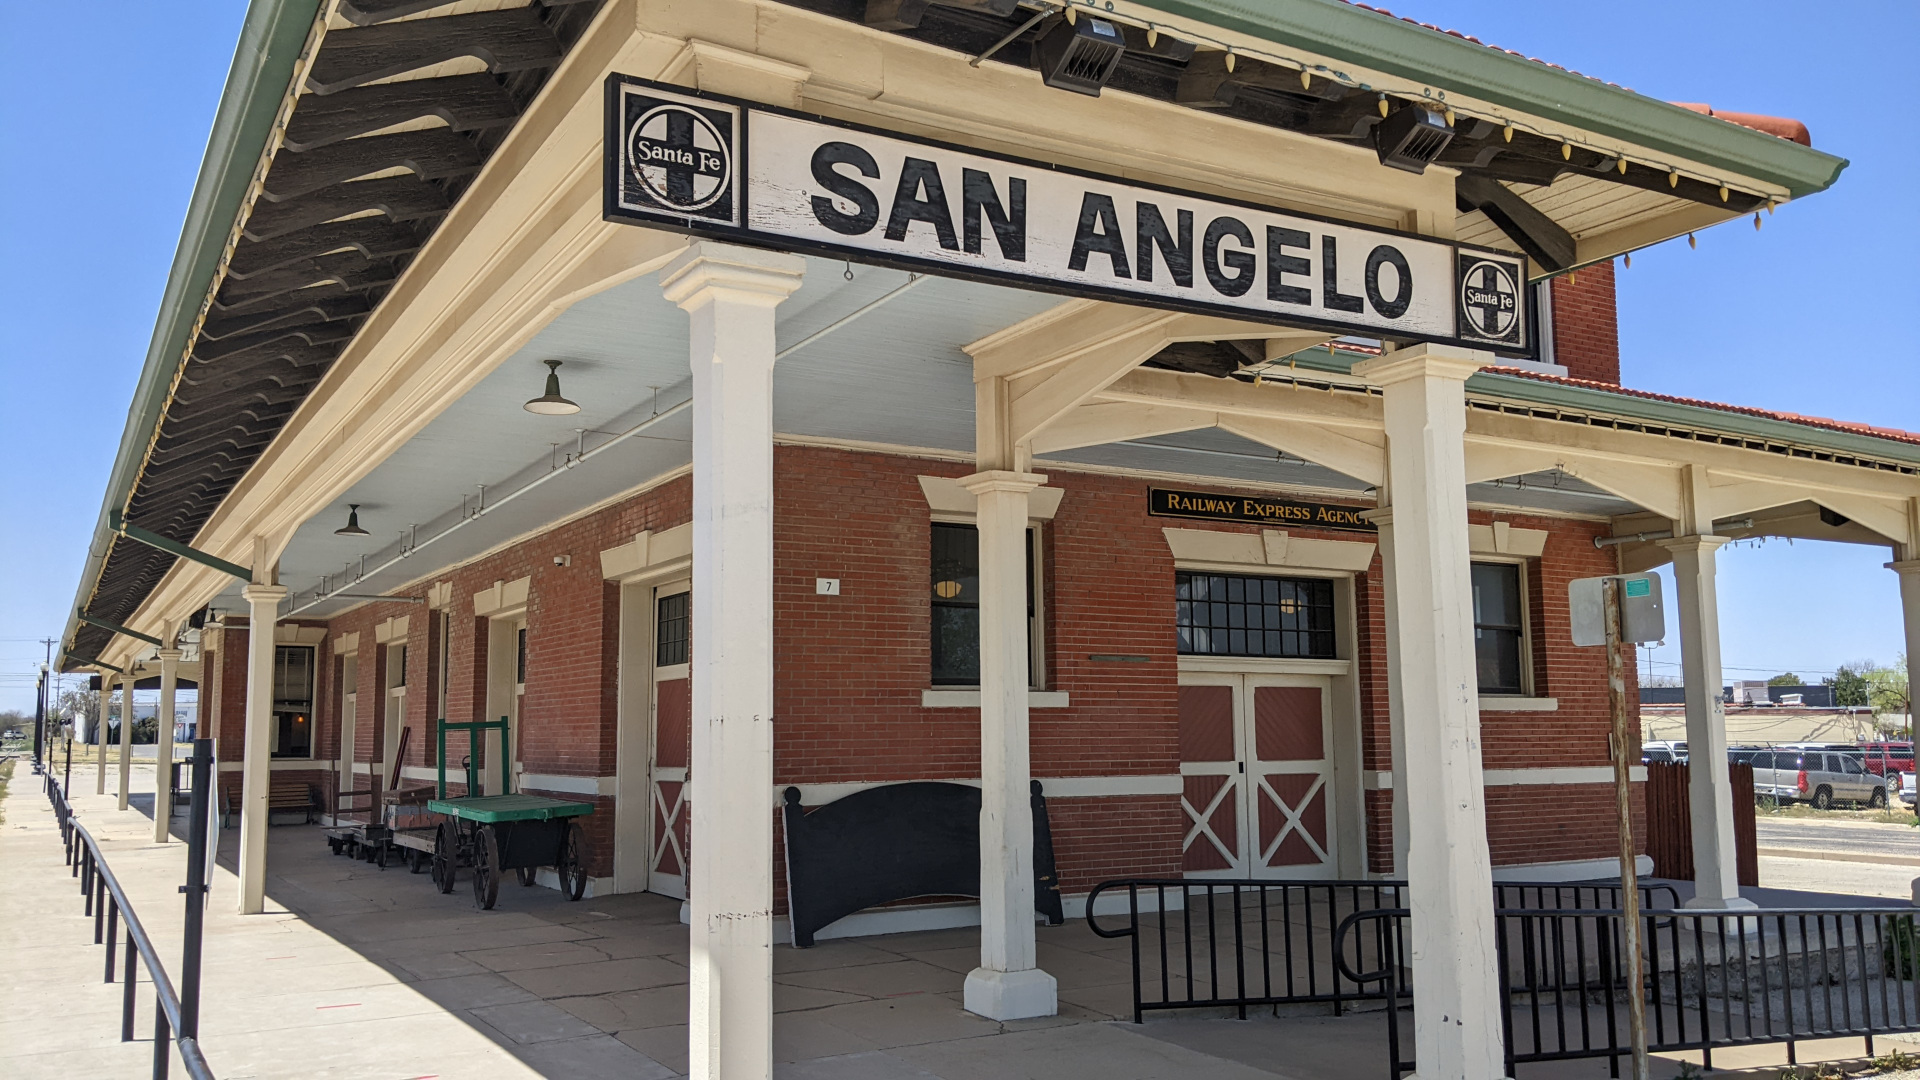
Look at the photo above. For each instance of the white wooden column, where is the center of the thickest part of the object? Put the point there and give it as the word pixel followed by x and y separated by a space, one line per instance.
pixel 731 293
pixel 1457 1030
pixel 1396 715
pixel 163 759
pixel 126 735
pixel 100 740
pixel 263 608
pixel 1909 571
pixel 1008 984
pixel 1716 878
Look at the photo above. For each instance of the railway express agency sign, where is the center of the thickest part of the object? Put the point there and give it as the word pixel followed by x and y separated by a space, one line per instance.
pixel 755 174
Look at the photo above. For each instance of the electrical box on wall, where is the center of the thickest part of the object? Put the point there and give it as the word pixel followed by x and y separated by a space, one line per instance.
pixel 826 586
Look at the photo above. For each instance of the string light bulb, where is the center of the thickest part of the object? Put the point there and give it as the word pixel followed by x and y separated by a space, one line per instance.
pixel 1627 259
pixel 1229 61
pixel 1693 242
pixel 1673 178
pixel 1623 165
pixel 1724 193
pixel 1770 206
pixel 1153 36
pixel 1449 116
pixel 1306 80
pixel 1756 221
pixel 1566 150
pixel 1383 106
pixel 1507 132
pixel 1071 17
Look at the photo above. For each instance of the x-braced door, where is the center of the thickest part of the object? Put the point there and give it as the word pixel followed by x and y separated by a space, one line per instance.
pixel 1257 775
pixel 672 740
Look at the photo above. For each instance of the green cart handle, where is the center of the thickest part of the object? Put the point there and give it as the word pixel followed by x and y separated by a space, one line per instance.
pixel 474 730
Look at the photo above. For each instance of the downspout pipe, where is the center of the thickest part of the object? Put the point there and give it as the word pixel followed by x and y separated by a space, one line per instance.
pixel 264 62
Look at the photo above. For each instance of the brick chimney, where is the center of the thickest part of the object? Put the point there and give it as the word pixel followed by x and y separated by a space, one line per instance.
pixel 1586 327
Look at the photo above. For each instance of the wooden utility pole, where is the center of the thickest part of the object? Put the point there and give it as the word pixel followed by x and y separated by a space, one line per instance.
pixel 1623 806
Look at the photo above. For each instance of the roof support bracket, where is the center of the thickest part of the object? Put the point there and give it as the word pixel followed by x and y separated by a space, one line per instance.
pixel 106 624
pixel 116 522
pixel 96 664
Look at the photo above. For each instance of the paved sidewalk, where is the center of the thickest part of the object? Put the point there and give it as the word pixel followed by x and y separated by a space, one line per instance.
pixel 380 976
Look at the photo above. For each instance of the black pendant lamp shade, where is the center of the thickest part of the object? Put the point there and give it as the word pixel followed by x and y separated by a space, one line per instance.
pixel 551 403
pixel 352 527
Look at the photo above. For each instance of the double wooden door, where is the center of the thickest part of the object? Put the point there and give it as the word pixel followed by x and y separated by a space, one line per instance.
pixel 1257 775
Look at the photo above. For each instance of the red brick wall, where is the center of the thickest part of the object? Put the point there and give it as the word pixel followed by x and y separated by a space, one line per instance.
pixel 1586 329
pixel 850 669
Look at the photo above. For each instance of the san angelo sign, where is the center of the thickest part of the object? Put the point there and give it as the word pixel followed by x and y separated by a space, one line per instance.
pixel 718 166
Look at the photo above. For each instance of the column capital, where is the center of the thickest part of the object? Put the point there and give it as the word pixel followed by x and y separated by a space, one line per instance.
pixel 1903 567
pixel 1426 360
pixel 173 655
pixel 257 595
pixel 1702 543
pixel 770 276
pixel 981 483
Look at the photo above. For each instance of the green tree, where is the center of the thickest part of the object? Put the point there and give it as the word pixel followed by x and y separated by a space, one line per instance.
pixel 1788 679
pixel 1850 685
pixel 1891 691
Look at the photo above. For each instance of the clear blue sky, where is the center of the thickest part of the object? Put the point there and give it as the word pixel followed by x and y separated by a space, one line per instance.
pixel 104 127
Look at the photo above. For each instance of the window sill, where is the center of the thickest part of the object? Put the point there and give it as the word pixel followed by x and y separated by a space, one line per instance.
pixel 970 699
pixel 1510 703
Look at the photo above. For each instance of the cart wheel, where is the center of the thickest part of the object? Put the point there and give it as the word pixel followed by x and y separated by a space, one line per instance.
pixel 443 857
pixel 333 842
pixel 529 874
pixel 380 850
pixel 572 866
pixel 415 860
pixel 486 868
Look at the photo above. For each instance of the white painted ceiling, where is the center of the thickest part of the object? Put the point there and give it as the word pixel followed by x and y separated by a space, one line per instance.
pixel 873 359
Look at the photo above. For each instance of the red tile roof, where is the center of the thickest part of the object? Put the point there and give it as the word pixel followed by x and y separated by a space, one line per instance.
pixel 1780 127
pixel 1890 434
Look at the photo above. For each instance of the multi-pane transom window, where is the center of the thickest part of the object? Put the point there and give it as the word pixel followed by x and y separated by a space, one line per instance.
pixel 1499 628
pixel 1237 615
pixel 670 637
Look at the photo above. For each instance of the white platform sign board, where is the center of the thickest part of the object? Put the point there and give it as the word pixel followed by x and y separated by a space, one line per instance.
pixel 755 174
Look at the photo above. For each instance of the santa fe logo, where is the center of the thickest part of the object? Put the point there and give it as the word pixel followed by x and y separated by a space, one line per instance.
pixel 680 157
pixel 1489 300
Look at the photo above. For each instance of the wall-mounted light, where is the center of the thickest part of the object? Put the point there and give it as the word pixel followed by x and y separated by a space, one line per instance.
pixel 1081 55
pixel 352 527
pixel 551 403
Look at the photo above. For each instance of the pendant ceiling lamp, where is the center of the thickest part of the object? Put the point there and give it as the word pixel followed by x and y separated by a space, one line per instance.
pixel 551 403
pixel 352 527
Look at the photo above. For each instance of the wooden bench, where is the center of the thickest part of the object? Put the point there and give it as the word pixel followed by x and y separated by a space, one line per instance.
pixel 287 796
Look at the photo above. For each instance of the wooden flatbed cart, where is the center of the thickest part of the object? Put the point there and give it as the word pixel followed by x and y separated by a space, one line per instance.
pixel 492 834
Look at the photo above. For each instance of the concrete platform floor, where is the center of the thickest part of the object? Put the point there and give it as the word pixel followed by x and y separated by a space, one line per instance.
pixel 358 972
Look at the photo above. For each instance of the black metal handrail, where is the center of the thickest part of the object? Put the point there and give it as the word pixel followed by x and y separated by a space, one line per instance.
pixel 1238 943
pixel 107 903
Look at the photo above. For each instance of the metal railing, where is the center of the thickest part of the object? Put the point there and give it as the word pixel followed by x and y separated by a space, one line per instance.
pixel 1235 944
pixel 1711 979
pixel 174 1024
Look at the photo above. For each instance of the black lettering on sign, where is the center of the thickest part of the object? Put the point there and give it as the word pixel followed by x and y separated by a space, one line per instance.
pixel 1150 232
pixel 909 206
pixel 1097 210
pixel 1388 255
pixel 867 208
pixel 1331 296
pixel 1217 262
pixel 1280 264
pixel 1166 502
pixel 1009 221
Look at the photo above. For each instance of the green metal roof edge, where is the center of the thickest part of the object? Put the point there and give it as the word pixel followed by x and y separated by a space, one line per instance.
pixel 1387 43
pixel 1629 406
pixel 264 61
pixel 1682 415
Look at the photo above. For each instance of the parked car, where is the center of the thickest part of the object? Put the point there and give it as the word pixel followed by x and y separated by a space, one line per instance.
pixel 1906 788
pixel 1883 758
pixel 1820 777
pixel 1664 753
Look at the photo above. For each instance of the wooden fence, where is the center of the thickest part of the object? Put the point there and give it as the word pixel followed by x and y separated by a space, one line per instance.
pixel 1670 823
